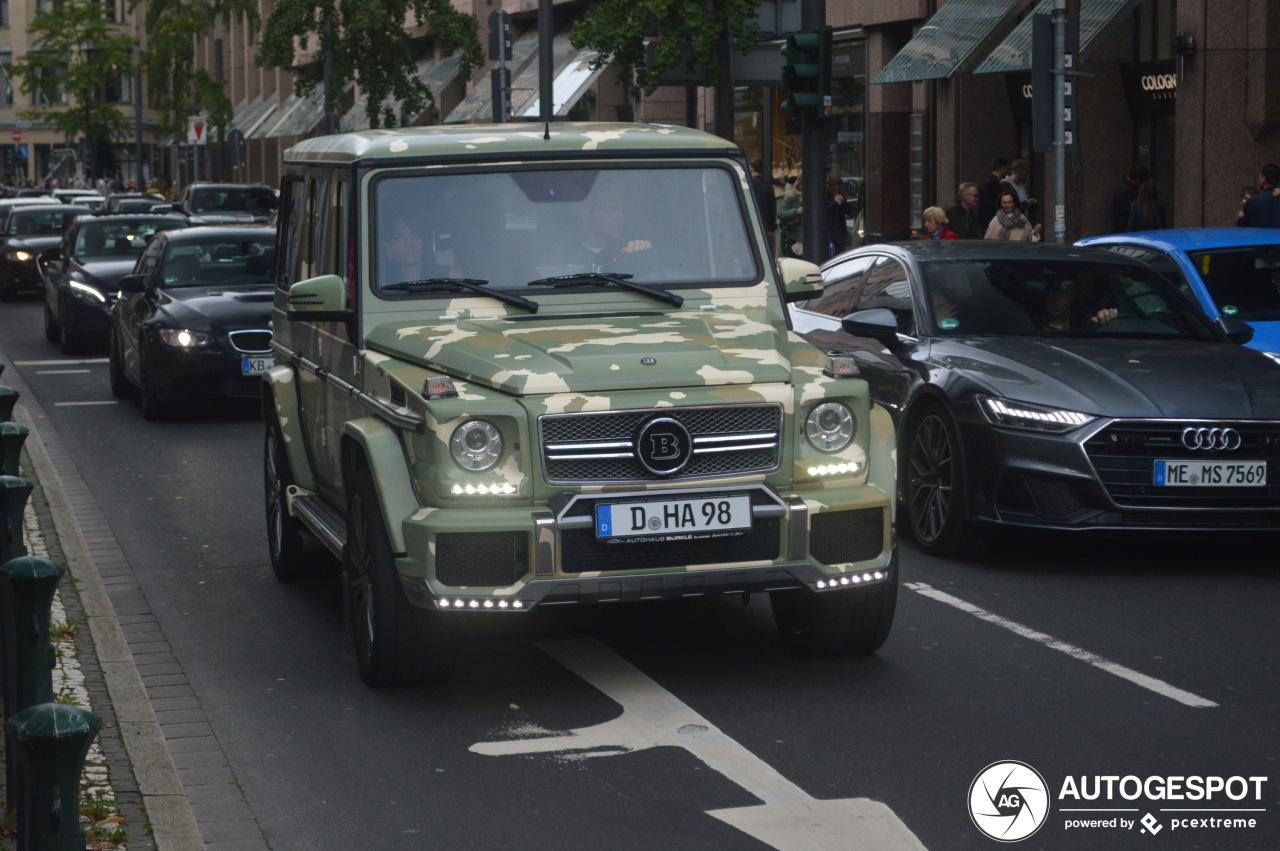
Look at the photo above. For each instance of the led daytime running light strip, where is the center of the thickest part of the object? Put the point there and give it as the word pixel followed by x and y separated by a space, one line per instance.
pixel 484 490
pixel 1063 417
pixel 446 603
pixel 835 469
pixel 854 579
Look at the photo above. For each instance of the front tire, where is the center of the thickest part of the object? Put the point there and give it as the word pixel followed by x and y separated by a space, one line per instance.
pixel 154 406
pixel 395 642
pixel 289 558
pixel 51 331
pixel 120 385
pixel 848 622
pixel 937 489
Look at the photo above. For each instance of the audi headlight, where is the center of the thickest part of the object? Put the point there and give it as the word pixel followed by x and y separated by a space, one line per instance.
pixel 1010 414
pixel 181 338
pixel 830 426
pixel 86 292
pixel 476 445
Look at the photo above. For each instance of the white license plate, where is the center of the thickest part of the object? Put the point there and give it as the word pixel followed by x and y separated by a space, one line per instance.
pixel 673 517
pixel 1211 474
pixel 256 366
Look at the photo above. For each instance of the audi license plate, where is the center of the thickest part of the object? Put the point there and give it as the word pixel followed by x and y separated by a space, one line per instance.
pixel 1214 474
pixel 684 517
pixel 256 366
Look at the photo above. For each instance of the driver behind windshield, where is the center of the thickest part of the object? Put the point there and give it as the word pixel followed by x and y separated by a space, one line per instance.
pixel 1058 309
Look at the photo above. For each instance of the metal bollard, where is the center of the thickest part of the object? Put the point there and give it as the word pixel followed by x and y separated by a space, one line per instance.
pixel 14 493
pixel 52 741
pixel 12 436
pixel 27 586
pixel 8 399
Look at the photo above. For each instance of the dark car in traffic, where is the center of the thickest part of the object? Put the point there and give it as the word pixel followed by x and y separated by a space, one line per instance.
pixel 1054 387
pixel 29 230
pixel 193 320
pixel 132 202
pixel 226 203
pixel 81 271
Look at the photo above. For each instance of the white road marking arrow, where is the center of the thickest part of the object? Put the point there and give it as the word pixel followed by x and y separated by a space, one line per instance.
pixel 789 820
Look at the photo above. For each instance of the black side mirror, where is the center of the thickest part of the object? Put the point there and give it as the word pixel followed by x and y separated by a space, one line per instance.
pixel 49 255
pixel 133 284
pixel 1237 330
pixel 879 324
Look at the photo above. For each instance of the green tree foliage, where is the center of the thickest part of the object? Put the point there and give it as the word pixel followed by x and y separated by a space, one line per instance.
pixel 368 43
pixel 174 28
pixel 79 54
pixel 685 35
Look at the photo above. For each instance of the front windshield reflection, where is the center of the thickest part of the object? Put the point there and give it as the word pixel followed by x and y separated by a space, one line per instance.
pixel 670 226
pixel 1243 282
pixel 1053 297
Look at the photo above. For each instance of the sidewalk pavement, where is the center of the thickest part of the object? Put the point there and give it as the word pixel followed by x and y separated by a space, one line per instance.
pixel 171 777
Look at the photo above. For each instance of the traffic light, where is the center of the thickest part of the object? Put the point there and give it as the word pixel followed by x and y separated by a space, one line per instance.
pixel 806 74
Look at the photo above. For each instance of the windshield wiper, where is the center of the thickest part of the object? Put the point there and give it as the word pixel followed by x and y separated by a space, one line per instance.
pixel 474 285
pixel 617 278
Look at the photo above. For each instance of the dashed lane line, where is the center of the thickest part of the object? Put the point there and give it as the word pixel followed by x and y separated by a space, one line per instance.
pixel 1160 687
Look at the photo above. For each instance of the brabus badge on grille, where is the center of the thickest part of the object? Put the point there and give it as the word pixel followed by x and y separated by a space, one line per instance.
pixel 648 361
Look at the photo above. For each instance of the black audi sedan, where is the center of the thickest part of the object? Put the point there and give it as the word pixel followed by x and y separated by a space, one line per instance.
pixel 1053 387
pixel 81 271
pixel 194 319
pixel 29 230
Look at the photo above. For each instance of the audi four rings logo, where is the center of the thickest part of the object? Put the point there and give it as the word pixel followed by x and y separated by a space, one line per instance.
pixel 1159 82
pixel 1210 438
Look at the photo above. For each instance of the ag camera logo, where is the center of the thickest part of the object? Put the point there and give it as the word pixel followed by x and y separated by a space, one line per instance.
pixel 1008 801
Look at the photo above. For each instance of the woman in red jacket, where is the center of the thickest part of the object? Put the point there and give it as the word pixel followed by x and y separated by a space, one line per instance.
pixel 935 224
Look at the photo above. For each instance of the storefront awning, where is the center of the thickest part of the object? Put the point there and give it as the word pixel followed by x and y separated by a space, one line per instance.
pixel 1097 19
pixel 250 115
pixel 572 81
pixel 960 33
pixel 478 104
pixel 436 75
pixel 298 116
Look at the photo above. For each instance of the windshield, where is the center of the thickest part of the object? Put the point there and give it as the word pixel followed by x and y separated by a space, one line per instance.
pixel 116 240
pixel 676 227
pixel 1056 297
pixel 1243 282
pixel 223 263
pixel 251 200
pixel 42 222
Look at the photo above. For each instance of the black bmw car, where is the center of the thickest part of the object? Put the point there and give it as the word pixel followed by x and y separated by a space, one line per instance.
pixel 81 271
pixel 29 230
pixel 194 319
pixel 1053 387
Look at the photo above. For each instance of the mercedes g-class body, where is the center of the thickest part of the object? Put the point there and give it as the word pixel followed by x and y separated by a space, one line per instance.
pixel 527 365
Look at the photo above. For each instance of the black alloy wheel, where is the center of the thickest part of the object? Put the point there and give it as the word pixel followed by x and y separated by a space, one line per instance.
pixel 289 558
pixel 395 642
pixel 936 489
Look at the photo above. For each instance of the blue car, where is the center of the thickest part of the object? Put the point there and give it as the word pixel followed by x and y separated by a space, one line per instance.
pixel 1232 272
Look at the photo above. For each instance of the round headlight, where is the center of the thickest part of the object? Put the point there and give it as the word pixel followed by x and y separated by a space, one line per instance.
pixel 830 426
pixel 476 445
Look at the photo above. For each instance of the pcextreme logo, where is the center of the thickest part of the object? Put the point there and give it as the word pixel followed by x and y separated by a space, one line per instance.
pixel 1009 801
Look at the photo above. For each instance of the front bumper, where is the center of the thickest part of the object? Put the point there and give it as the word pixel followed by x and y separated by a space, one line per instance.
pixel 204 372
pixel 519 558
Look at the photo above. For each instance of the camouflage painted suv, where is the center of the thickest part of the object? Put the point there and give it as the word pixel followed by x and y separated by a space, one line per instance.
pixel 523 365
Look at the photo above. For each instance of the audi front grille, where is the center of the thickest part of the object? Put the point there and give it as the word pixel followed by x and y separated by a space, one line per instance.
pixel 1124 453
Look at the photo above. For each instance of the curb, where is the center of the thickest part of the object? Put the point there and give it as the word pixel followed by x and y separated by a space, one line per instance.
pixel 168 811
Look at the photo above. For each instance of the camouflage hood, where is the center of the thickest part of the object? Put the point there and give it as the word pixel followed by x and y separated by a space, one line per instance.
pixel 527 355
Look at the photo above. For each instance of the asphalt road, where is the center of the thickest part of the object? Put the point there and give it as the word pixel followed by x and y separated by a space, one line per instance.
pixel 626 727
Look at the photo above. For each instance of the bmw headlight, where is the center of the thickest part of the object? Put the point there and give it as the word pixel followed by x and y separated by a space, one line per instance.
pixel 181 338
pixel 830 426
pixel 86 292
pixel 1010 414
pixel 476 445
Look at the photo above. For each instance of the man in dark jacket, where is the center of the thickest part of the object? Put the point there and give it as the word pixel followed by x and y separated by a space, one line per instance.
pixel 989 192
pixel 1263 209
pixel 762 185
pixel 962 216
pixel 1123 196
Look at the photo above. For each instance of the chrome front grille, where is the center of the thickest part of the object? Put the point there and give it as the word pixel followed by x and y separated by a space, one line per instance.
pixel 600 447
pixel 251 342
